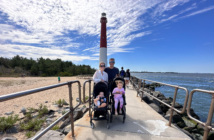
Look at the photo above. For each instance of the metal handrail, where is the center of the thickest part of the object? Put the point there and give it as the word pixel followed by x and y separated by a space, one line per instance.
pixel 174 98
pixel 28 92
pixel 87 81
pixel 207 125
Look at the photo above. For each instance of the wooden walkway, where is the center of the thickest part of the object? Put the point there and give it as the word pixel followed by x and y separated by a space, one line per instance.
pixel 142 123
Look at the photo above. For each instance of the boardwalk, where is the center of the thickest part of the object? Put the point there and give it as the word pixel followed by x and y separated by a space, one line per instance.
pixel 142 123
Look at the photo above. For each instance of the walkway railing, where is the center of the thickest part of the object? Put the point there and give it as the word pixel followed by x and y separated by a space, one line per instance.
pixel 28 92
pixel 87 81
pixel 136 82
pixel 174 99
pixel 85 76
pixel 207 125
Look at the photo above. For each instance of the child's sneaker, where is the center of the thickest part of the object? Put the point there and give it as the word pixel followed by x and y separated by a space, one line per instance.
pixel 120 111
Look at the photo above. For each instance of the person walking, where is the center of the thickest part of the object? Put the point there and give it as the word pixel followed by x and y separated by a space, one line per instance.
pixel 122 73
pixel 127 77
pixel 58 79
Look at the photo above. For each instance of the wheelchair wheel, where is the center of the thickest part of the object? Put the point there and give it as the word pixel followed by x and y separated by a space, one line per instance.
pixel 108 126
pixel 111 118
pixel 92 125
pixel 124 118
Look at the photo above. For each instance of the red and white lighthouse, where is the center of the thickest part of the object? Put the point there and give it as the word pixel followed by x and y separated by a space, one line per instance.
pixel 103 39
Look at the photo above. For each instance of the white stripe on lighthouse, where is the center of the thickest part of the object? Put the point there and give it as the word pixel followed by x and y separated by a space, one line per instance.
pixel 103 55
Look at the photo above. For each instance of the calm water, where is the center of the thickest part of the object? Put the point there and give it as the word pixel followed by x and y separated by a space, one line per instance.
pixel 200 102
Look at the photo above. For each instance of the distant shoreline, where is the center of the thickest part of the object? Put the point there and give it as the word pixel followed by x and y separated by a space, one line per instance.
pixel 170 72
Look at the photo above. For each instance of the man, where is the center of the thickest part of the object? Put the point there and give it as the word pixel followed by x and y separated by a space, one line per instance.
pixel 111 70
pixel 122 73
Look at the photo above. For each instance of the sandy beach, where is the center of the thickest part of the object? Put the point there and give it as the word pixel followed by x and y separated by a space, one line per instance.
pixel 11 85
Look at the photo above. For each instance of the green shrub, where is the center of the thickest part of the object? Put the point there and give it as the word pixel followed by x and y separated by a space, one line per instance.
pixel 43 75
pixel 65 74
pixel 60 102
pixel 63 112
pixel 42 110
pixel 30 134
pixel 8 122
pixel 33 124
pixel 86 98
pixel 28 114
pixel 56 127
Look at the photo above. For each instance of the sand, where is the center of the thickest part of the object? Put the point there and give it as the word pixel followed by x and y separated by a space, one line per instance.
pixel 12 85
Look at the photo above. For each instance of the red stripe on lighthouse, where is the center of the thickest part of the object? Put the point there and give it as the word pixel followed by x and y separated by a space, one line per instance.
pixel 103 39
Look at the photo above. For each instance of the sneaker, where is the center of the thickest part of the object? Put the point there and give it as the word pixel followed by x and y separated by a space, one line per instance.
pixel 120 111
pixel 116 113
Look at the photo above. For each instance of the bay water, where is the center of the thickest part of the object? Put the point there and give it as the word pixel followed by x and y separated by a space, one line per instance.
pixel 200 101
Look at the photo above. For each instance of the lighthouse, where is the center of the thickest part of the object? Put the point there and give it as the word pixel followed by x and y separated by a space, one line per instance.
pixel 103 39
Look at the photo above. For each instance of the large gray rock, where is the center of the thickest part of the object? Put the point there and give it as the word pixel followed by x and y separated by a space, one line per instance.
pixel 193 114
pixel 189 122
pixel 65 103
pixel 197 136
pixel 23 110
pixel 161 98
pixel 170 99
pixel 175 116
pixel 177 105
pixel 66 130
pixel 158 94
pixel 156 108
pixel 164 108
pixel 77 114
pixel 12 130
pixel 9 113
pixel 156 102
pixel 211 136
pixel 77 99
pixel 147 99
pixel 9 138
pixel 51 135
pixel 84 109
pixel 166 101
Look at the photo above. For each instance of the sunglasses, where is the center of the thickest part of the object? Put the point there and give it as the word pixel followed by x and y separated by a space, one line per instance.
pixel 111 62
pixel 102 65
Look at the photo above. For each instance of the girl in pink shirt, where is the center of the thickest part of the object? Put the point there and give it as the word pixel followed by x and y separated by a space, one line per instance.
pixel 118 92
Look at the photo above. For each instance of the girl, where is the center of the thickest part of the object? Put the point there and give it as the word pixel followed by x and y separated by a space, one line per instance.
pixel 118 92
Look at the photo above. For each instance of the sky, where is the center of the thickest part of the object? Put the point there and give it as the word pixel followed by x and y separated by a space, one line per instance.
pixel 142 35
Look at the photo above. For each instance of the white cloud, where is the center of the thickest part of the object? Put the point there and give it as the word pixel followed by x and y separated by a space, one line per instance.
pixel 199 12
pixel 49 23
pixel 155 39
pixel 8 50
pixel 51 18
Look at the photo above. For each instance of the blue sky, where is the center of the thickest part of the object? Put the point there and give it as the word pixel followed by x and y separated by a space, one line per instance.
pixel 143 35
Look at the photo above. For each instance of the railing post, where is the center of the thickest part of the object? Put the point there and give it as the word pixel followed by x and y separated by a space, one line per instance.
pixel 173 103
pixel 71 108
pixel 89 102
pixel 84 92
pixel 142 90
pixel 139 86
pixel 209 120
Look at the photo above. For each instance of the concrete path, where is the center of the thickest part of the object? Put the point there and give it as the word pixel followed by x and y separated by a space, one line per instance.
pixel 142 123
